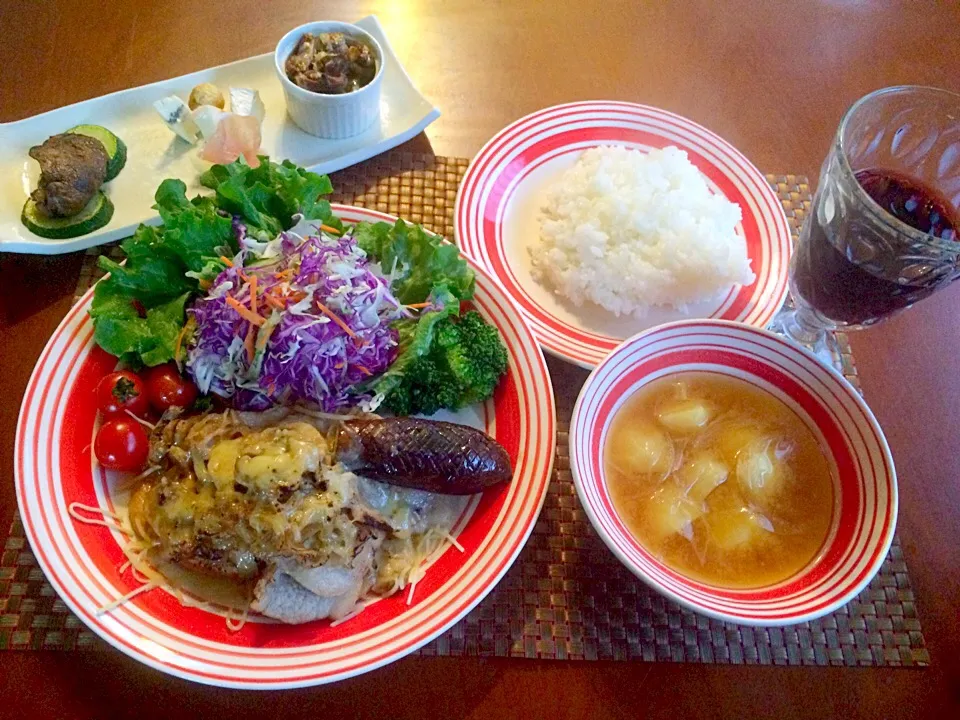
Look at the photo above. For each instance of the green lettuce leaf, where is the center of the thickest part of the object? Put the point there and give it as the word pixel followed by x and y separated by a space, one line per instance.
pixel 416 339
pixel 417 260
pixel 208 273
pixel 123 329
pixel 164 324
pixel 138 311
pixel 153 272
pixel 192 230
pixel 269 195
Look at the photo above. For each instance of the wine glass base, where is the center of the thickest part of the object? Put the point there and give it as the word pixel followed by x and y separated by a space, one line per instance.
pixel 796 326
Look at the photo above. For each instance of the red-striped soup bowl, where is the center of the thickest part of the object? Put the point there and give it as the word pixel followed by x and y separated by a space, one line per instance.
pixel 865 486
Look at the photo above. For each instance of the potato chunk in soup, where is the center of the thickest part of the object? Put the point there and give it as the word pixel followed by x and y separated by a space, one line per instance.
pixel 763 471
pixel 671 512
pixel 703 474
pixel 641 449
pixel 719 479
pixel 685 416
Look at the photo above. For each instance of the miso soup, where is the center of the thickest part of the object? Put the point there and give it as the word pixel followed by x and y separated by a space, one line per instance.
pixel 719 479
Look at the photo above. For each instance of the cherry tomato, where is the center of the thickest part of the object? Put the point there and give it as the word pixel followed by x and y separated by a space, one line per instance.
pixel 122 391
pixel 122 444
pixel 167 388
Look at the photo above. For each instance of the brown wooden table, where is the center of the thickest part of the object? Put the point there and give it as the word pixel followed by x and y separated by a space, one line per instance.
pixel 771 77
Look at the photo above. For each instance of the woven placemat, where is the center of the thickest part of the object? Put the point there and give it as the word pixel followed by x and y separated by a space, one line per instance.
pixel 566 596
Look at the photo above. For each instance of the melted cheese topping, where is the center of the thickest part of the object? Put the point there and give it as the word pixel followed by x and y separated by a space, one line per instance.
pixel 266 459
pixel 259 494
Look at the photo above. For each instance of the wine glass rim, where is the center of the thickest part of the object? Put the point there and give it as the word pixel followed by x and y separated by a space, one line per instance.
pixel 881 214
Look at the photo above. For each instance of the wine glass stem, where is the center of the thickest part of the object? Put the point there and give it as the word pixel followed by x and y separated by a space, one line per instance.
pixel 804 326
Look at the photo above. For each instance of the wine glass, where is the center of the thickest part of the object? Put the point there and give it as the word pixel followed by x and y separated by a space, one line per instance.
pixel 882 232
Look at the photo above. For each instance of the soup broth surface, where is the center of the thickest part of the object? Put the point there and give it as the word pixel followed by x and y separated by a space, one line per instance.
pixel 718 479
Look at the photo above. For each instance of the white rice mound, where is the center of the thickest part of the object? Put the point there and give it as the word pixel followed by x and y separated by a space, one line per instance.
pixel 628 230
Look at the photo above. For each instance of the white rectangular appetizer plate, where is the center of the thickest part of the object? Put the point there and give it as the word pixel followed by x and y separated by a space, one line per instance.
pixel 155 153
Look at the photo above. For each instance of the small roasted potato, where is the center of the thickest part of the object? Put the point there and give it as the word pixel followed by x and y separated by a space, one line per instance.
pixel 206 94
pixel 731 529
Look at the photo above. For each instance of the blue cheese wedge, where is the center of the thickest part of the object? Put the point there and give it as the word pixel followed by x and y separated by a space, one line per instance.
pixel 176 114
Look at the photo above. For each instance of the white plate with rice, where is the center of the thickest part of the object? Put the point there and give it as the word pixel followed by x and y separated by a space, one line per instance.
pixel 603 219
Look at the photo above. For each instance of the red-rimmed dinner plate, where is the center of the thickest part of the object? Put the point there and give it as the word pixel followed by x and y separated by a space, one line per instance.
pixel 501 196
pixel 54 468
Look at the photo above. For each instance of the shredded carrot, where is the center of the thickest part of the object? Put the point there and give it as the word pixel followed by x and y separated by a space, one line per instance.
pixel 245 312
pixel 297 295
pixel 248 342
pixel 176 348
pixel 271 388
pixel 263 336
pixel 284 274
pixel 253 294
pixel 416 306
pixel 206 284
pixel 226 261
pixel 273 301
pixel 331 230
pixel 333 316
pixel 364 370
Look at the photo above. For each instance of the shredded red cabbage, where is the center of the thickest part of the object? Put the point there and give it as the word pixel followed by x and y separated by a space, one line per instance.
pixel 301 352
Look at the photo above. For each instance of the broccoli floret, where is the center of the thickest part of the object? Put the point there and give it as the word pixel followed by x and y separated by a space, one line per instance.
pixel 463 366
pixel 426 387
pixel 476 357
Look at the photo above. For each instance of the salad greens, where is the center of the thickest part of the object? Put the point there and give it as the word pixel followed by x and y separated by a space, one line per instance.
pixel 416 338
pixel 138 311
pixel 436 359
pixel 416 260
pixel 444 361
pixel 267 197
pixel 122 329
pixel 461 366
pixel 310 318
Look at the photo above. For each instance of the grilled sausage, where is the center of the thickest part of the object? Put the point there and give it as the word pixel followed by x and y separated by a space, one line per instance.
pixel 425 454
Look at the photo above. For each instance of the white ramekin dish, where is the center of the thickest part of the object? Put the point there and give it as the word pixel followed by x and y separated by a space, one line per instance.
pixel 330 116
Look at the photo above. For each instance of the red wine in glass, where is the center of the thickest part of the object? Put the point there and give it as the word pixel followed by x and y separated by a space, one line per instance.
pixel 849 276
